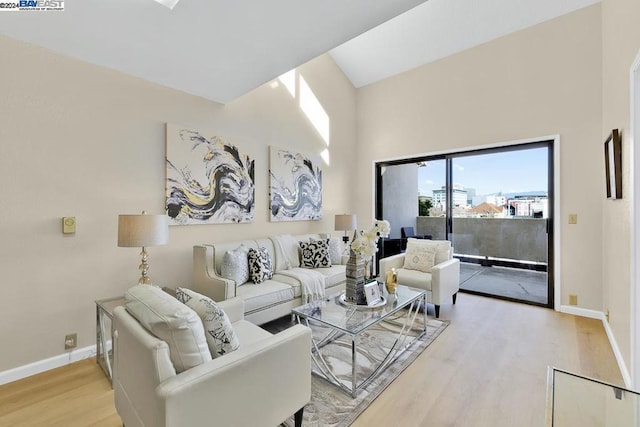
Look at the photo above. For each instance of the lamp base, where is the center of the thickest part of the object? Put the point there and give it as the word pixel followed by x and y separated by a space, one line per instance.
pixel 144 269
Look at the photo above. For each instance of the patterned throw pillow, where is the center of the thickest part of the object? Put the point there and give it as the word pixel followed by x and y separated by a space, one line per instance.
pixel 260 266
pixel 335 251
pixel 443 247
pixel 315 254
pixel 419 257
pixel 235 265
pixel 221 338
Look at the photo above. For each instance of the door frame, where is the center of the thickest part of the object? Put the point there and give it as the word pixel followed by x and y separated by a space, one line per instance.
pixel 554 266
pixel 634 179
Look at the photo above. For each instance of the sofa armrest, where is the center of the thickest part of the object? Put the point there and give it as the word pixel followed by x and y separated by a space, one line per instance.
pixel 205 279
pixel 217 392
pixel 445 280
pixel 386 264
pixel 234 308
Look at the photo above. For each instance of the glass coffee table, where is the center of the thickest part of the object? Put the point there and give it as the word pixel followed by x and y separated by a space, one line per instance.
pixel 352 344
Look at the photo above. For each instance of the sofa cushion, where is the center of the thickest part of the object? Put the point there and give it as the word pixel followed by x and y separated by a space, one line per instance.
pixel 249 333
pixel 443 248
pixel 419 257
pixel 235 265
pixel 219 333
pixel 265 294
pixel 260 265
pixel 414 278
pixel 315 254
pixel 334 275
pixel 171 321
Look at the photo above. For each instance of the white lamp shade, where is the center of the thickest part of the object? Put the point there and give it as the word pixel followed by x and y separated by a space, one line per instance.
pixel 345 222
pixel 142 230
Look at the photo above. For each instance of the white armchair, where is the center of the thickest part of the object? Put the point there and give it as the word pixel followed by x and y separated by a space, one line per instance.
pixel 441 282
pixel 265 381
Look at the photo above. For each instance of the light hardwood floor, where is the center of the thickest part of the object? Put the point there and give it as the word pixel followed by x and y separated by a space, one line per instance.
pixel 487 369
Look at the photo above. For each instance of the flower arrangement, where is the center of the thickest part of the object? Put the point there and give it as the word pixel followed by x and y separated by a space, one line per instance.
pixel 365 244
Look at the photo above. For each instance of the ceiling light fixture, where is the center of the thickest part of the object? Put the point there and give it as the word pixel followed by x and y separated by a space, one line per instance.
pixel 168 3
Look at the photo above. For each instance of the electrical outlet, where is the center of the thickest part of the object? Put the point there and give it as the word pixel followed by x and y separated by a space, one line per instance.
pixel 70 341
pixel 573 218
pixel 573 299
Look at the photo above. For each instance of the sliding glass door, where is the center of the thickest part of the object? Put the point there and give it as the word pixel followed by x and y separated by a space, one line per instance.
pixel 499 229
pixel 494 205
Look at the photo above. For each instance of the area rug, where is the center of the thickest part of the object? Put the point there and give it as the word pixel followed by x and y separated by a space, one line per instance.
pixel 331 406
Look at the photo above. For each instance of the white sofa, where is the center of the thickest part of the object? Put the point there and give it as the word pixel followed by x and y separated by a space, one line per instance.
pixel 441 283
pixel 270 299
pixel 264 382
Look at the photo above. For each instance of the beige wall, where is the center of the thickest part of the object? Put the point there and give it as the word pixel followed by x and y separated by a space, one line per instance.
pixel 541 81
pixel 81 140
pixel 621 42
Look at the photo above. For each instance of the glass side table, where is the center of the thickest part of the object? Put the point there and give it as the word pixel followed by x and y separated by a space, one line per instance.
pixel 104 332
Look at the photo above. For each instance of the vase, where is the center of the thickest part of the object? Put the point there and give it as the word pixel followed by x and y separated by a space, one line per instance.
pixel 355 271
pixel 391 281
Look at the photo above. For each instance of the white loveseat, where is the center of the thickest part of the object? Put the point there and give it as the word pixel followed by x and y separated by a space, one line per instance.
pixel 264 382
pixel 272 298
pixel 441 282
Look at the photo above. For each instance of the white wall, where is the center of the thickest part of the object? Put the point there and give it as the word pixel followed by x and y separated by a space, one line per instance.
pixel 621 42
pixel 541 81
pixel 84 141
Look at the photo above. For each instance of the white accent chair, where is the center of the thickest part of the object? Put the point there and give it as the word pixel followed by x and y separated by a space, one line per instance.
pixel 441 283
pixel 265 381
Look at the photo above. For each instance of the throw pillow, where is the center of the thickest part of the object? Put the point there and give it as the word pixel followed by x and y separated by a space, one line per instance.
pixel 260 266
pixel 171 321
pixel 443 247
pixel 221 337
pixel 419 257
pixel 235 265
pixel 335 251
pixel 315 254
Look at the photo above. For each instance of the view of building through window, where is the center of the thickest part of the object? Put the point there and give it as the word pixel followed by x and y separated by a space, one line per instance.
pixel 508 184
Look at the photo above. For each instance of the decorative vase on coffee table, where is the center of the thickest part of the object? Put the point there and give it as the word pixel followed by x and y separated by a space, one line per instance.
pixel 355 272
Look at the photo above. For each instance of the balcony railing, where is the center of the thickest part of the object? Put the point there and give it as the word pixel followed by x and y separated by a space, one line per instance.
pixel 575 400
pixel 522 239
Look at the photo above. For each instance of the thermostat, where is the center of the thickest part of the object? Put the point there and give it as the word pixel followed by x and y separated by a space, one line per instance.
pixel 68 225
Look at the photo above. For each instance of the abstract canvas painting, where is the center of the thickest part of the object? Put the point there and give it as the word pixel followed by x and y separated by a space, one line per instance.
pixel 208 180
pixel 296 186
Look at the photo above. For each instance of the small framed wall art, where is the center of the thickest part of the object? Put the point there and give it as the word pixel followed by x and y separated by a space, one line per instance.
pixel 613 165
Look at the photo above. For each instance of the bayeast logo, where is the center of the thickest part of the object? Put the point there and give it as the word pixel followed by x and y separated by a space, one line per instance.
pixel 41 4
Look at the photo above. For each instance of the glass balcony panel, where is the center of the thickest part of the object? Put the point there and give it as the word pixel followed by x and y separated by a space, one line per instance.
pixel 575 400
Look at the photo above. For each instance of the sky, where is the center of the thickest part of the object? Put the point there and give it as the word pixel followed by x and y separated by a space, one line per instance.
pixel 506 172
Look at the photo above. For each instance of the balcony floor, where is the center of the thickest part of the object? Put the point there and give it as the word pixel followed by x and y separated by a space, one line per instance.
pixel 527 285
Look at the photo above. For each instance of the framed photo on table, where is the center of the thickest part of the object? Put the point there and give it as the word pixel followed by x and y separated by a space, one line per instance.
pixel 372 293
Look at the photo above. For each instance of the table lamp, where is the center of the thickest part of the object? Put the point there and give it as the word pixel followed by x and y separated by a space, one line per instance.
pixel 142 231
pixel 346 223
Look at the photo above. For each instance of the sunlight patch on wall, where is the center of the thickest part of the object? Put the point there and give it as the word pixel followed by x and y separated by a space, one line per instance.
pixel 313 110
pixel 288 79
pixel 325 156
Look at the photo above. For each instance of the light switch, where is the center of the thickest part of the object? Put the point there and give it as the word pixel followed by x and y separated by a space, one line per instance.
pixel 573 218
pixel 68 225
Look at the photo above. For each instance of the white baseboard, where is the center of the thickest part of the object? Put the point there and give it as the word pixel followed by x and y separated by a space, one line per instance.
pixel 47 364
pixel 584 312
pixel 594 314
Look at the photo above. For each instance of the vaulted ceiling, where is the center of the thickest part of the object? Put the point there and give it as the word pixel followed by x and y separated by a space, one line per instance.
pixel 221 50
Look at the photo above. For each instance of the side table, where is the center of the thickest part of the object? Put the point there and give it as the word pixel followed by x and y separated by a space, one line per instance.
pixel 104 332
